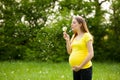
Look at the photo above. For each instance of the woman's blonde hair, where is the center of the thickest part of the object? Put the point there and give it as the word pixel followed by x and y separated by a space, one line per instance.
pixel 82 21
pixel 84 27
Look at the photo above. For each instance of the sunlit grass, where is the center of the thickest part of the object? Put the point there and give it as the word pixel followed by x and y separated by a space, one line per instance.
pixel 106 71
pixel 19 70
pixel 34 71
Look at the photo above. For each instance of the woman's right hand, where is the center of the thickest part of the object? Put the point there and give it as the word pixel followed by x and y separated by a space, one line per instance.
pixel 66 36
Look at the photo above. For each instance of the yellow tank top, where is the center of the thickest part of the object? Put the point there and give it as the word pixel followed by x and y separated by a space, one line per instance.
pixel 80 51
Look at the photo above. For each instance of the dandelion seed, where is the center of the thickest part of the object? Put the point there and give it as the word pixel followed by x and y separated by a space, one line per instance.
pixel 40 72
pixel 62 76
pixel 27 69
pixel 12 72
pixel 4 74
pixel 46 72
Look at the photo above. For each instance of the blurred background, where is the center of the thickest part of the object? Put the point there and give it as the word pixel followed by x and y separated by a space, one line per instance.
pixel 31 30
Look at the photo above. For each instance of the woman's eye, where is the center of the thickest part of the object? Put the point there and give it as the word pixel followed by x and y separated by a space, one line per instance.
pixel 74 22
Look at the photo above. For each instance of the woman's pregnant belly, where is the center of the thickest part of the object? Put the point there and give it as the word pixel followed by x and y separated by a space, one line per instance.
pixel 77 58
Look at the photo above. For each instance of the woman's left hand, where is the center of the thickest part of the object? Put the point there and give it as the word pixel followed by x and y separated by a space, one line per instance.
pixel 76 68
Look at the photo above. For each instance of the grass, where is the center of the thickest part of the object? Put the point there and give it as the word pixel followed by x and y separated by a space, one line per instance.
pixel 18 70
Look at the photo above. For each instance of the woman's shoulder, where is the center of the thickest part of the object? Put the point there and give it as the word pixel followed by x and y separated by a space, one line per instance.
pixel 87 34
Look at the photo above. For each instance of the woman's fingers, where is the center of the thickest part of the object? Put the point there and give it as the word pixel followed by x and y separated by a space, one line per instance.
pixel 76 68
pixel 65 35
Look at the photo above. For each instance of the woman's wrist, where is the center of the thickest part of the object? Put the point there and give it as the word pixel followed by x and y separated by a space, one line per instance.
pixel 80 66
pixel 67 41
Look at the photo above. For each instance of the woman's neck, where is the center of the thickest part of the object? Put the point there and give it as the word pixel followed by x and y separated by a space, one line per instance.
pixel 80 33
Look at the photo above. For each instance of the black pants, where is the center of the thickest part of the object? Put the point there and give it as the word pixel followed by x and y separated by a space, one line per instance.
pixel 83 74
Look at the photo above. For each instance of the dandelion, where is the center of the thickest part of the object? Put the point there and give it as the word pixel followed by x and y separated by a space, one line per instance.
pixel 64 29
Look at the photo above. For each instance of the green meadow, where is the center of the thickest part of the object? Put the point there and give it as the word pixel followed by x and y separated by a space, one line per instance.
pixel 19 70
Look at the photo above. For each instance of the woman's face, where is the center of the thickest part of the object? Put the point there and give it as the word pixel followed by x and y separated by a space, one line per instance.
pixel 75 26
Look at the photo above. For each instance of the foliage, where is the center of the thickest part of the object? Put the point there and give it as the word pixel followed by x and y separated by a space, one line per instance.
pixel 32 29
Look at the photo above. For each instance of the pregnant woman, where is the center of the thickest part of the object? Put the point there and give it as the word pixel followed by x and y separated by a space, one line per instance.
pixel 80 48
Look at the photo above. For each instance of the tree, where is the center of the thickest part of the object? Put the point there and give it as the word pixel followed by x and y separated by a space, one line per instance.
pixel 114 31
pixel 22 20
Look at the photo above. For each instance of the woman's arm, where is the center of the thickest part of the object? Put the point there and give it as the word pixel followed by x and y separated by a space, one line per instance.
pixel 88 57
pixel 68 46
pixel 68 43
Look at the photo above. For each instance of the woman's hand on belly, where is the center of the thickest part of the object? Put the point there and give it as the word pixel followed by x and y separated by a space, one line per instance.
pixel 76 68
